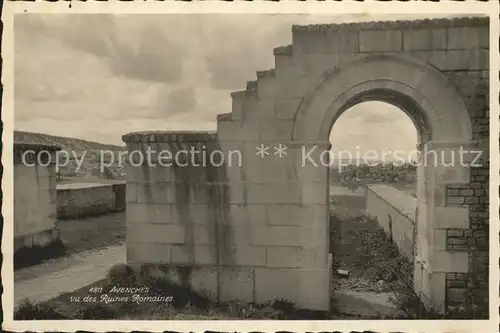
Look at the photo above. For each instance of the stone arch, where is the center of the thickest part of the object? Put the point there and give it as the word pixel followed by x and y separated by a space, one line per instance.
pixel 420 90
pixel 443 124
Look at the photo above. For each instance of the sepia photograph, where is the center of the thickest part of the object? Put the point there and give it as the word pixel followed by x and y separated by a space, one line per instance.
pixel 250 166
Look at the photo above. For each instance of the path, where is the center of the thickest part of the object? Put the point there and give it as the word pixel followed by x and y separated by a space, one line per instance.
pixel 66 275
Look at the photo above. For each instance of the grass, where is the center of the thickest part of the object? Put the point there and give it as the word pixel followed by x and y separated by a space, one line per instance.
pixel 364 250
pixel 76 236
pixel 183 305
pixel 359 254
pixel 358 243
pixel 93 233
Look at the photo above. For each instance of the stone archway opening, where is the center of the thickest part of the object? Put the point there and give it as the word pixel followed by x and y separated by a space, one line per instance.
pixel 443 127
pixel 372 184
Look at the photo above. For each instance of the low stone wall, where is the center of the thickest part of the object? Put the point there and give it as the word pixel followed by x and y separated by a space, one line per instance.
pixel 34 196
pixel 395 213
pixel 81 200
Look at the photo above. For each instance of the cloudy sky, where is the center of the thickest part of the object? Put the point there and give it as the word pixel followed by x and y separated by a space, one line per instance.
pixel 98 77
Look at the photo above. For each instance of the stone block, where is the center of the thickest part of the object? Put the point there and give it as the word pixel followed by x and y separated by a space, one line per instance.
pixel 231 235
pixel 380 41
pixel 456 201
pixel 46 183
pixel 261 110
pixel 295 286
pixel 437 286
pixel 457 295
pixel 268 193
pixel 446 261
pixel 286 214
pixel 238 130
pixel 162 170
pixel 291 86
pixel 314 193
pixel 204 281
pixel 424 39
pixel 282 63
pixel 285 257
pixel 147 253
pixel 238 284
pixel 285 108
pixel 194 254
pixel 266 90
pixel 297 257
pixel 247 215
pixel 249 256
pixel 237 193
pixel 454 60
pixel 155 233
pixel 468 38
pixel 278 130
pixel 271 168
pixel 452 175
pixel 324 43
pixel 316 65
pixel 314 233
pixel 440 238
pixel 134 174
pixel 275 236
pixel 182 254
pixel 438 192
pixel 274 284
pixel 205 255
pixel 341 42
pixel 238 100
pixel 149 213
pixel 203 234
pixel 308 172
pixel 158 193
pixel 452 217
pixel 319 297
pixel 131 192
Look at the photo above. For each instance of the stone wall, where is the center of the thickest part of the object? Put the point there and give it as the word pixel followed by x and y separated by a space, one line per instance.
pixel 275 208
pixel 80 200
pixel 472 238
pixel 395 213
pixel 189 221
pixel 34 196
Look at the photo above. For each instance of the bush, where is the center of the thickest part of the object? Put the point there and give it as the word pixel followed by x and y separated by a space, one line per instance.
pixel 30 311
pixel 182 296
pixel 25 257
pixel 95 311
pixel 121 275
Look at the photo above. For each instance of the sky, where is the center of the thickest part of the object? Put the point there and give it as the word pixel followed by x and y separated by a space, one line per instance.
pixel 97 76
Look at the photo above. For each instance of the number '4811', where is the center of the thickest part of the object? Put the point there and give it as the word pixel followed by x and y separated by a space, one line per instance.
pixel 96 290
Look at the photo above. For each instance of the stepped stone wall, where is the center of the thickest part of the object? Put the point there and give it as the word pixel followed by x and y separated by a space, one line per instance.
pixel 275 209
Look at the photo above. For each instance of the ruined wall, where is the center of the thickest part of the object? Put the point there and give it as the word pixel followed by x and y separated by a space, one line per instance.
pixel 395 213
pixel 81 200
pixel 236 242
pixel 459 48
pixel 34 196
pixel 276 206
